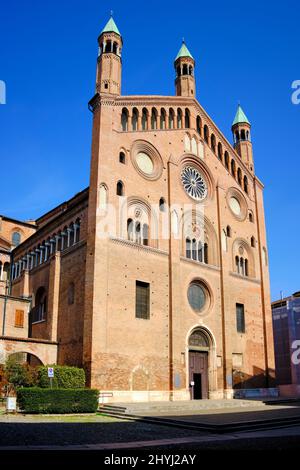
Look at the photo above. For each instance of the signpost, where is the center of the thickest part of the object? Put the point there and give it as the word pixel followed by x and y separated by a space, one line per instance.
pixel 51 375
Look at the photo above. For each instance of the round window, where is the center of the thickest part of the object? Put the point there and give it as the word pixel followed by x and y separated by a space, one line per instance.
pixel 196 297
pixel 194 183
pixel 145 163
pixel 235 206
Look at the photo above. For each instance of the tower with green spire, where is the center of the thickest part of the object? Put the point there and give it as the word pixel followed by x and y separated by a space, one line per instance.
pixel 241 137
pixel 184 66
pixel 109 67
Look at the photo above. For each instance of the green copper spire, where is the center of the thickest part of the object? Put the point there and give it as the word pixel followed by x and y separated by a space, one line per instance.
pixel 111 27
pixel 184 52
pixel 240 117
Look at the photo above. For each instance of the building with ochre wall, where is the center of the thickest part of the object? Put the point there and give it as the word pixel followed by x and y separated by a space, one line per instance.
pixel 155 279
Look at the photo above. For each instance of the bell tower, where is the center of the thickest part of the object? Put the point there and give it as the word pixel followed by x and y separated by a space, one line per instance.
pixel 184 67
pixel 109 64
pixel 242 138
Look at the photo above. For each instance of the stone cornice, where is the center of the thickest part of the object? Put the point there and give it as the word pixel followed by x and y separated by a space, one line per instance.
pixel 136 246
pixel 244 278
pixel 200 265
pixel 29 340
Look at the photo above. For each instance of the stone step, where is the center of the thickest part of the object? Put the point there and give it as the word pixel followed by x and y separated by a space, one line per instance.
pixel 144 408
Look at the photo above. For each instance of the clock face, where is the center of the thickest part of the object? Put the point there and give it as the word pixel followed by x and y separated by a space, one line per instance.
pixel 194 183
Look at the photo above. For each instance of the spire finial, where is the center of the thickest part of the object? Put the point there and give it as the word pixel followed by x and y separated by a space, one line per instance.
pixel 111 13
pixel 183 41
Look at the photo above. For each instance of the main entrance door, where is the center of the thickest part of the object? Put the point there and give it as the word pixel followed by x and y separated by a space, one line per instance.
pixel 198 374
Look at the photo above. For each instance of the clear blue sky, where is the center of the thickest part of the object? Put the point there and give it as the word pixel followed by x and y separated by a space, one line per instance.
pixel 244 51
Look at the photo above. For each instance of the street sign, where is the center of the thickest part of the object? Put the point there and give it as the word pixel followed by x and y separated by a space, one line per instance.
pixel 50 372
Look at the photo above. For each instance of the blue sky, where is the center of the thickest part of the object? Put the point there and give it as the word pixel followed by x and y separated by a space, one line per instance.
pixel 248 52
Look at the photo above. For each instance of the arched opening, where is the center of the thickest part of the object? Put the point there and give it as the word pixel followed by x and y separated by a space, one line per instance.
pixel 162 205
pixel 115 48
pixel 25 358
pixel 188 248
pixel 226 157
pixel 190 70
pixel 233 168
pixel 16 238
pixel 199 350
pixel 250 216
pixel 187 119
pixel 243 134
pixel 171 118
pixel 239 176
pixel 124 119
pixel 253 242
pixel 162 119
pixel 39 311
pixel 120 188
pixel 154 119
pixel 134 119
pixel 179 118
pixel 213 143
pixel 185 69
pixel 145 119
pixel 122 157
pixel 198 125
pixel 228 231
pixel 220 151
pixel 108 47
pixel 206 134
pixel 246 184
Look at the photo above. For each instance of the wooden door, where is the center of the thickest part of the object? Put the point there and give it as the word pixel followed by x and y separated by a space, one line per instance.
pixel 198 374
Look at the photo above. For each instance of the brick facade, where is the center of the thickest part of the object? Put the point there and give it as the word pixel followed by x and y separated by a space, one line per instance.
pixel 87 304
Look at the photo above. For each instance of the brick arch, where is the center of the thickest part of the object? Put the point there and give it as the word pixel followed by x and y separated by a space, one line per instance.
pixel 45 351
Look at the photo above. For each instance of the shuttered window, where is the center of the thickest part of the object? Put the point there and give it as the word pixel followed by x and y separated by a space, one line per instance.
pixel 240 318
pixel 142 297
pixel 19 318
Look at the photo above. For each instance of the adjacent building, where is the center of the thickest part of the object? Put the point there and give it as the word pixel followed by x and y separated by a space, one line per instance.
pixel 286 325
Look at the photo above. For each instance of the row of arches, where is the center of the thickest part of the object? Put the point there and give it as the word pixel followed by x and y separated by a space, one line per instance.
pixel 170 118
pixel 154 119
pixel 196 250
pixel 223 156
pixel 110 47
pixel 64 239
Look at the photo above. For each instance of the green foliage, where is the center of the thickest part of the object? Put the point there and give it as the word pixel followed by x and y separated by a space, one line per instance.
pixel 64 377
pixel 20 375
pixel 45 400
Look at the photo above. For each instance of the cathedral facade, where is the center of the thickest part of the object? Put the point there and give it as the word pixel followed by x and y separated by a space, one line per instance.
pixel 155 278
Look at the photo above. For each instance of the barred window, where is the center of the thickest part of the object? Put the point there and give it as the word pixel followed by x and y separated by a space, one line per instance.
pixel 142 300
pixel 240 318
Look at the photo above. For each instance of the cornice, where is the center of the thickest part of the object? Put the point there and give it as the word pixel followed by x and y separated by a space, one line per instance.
pixel 137 247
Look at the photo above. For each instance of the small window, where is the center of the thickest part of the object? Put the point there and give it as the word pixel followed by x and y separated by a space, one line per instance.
pixel 162 205
pixel 19 319
pixel 122 157
pixel 16 239
pixel 240 318
pixel 250 216
pixel 142 300
pixel 228 231
pixel 120 188
pixel 253 242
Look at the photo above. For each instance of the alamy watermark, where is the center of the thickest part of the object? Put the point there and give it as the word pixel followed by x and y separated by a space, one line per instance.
pixel 2 92
pixel 296 94
pixel 296 353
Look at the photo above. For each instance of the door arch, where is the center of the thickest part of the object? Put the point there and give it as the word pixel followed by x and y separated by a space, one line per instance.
pixel 201 367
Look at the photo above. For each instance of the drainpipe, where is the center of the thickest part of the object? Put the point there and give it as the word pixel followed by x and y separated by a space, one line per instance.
pixel 4 315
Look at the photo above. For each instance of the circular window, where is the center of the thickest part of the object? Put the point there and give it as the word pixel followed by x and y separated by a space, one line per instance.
pixel 196 297
pixel 235 206
pixel 144 162
pixel 194 183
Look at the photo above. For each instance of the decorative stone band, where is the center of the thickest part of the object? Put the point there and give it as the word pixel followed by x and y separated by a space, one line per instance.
pixel 136 246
